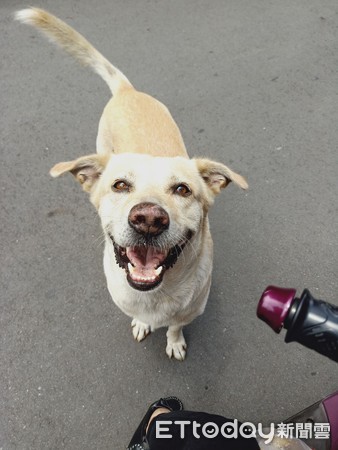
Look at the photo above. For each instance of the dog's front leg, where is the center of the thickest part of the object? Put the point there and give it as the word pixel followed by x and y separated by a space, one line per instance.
pixel 140 330
pixel 176 345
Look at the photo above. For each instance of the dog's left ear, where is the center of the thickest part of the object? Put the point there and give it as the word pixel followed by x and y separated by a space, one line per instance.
pixel 87 169
pixel 217 176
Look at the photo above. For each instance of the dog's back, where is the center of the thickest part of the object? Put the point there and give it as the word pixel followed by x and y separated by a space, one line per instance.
pixel 132 121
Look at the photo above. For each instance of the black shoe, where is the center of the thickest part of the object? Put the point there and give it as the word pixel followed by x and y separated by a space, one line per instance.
pixel 139 440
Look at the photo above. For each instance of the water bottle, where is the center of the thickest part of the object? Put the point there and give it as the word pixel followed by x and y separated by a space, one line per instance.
pixel 313 323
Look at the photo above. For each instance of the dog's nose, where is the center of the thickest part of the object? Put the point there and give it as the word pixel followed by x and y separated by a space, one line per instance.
pixel 148 218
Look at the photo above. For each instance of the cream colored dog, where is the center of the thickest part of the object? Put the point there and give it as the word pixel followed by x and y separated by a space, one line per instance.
pixel 152 199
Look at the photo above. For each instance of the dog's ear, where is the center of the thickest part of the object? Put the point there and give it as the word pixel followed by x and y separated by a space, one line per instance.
pixel 217 176
pixel 86 169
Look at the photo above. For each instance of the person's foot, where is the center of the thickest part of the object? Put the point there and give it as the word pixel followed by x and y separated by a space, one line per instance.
pixel 156 413
pixel 161 406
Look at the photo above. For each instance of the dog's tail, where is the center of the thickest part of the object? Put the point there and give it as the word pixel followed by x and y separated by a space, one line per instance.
pixel 75 44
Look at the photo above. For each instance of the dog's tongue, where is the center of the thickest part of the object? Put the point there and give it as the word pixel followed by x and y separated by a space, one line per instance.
pixel 145 260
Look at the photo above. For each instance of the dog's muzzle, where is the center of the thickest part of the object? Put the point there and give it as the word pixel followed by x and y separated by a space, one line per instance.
pixel 146 262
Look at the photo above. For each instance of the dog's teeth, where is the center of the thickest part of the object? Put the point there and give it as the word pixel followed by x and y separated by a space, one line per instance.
pixel 130 268
pixel 159 270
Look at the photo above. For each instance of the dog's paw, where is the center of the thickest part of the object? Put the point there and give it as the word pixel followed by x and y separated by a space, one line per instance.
pixel 176 350
pixel 140 330
pixel 176 345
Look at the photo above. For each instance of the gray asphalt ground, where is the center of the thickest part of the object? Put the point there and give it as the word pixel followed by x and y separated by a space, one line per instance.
pixel 252 84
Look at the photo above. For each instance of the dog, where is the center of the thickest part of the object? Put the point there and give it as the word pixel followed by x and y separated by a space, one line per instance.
pixel 152 199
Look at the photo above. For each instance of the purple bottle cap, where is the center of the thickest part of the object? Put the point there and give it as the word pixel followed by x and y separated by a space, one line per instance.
pixel 274 305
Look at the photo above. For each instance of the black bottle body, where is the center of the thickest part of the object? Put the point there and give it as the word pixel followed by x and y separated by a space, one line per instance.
pixel 314 324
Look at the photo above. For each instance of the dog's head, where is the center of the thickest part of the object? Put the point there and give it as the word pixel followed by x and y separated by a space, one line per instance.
pixel 150 207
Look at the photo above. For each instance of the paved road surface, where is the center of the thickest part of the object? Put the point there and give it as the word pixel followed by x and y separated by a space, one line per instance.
pixel 252 84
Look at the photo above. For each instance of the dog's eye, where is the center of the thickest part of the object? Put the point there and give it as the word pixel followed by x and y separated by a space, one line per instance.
pixel 121 186
pixel 183 190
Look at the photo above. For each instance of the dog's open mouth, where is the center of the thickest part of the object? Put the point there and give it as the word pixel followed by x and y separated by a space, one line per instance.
pixel 145 265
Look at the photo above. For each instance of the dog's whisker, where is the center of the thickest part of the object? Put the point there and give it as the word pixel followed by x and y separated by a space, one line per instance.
pixel 99 240
pixel 192 246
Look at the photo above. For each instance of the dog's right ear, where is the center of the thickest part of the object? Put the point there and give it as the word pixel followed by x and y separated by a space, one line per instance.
pixel 87 169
